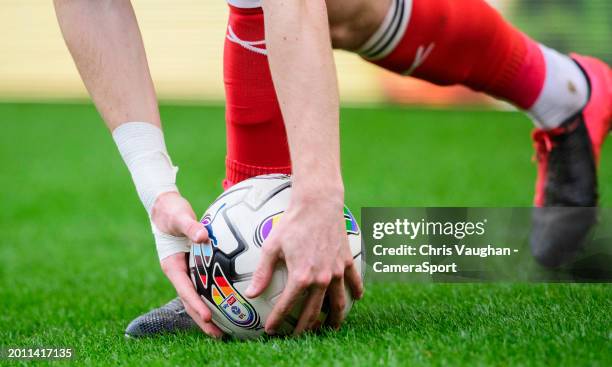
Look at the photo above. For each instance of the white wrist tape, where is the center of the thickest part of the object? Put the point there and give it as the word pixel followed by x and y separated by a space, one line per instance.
pixel 167 244
pixel 144 152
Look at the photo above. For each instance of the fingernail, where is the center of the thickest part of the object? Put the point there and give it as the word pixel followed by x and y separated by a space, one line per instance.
pixel 199 234
pixel 271 332
pixel 249 291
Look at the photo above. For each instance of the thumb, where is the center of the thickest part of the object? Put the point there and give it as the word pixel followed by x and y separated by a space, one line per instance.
pixel 192 229
pixel 263 274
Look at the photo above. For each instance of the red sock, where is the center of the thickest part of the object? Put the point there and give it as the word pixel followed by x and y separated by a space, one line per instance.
pixel 459 42
pixel 256 137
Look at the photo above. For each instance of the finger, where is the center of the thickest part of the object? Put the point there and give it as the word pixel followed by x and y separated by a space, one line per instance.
pixel 192 229
pixel 209 328
pixel 310 310
pixel 194 305
pixel 175 269
pixel 337 303
pixel 352 277
pixel 263 273
pixel 283 307
pixel 185 289
pixel 212 330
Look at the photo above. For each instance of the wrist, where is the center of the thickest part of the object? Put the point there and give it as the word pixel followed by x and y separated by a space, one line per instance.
pixel 314 190
pixel 168 238
pixel 143 150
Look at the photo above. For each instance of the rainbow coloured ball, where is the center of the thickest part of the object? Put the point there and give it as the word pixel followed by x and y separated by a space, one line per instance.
pixel 238 223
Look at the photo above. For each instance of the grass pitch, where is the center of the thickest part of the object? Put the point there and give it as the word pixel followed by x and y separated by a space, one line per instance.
pixel 77 261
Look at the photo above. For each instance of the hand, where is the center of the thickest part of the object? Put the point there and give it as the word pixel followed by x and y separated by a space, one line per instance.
pixel 173 215
pixel 312 240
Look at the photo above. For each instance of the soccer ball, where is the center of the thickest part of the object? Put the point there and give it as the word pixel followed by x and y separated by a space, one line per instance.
pixel 238 223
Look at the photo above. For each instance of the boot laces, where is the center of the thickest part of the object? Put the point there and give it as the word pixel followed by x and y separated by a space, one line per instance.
pixel 544 140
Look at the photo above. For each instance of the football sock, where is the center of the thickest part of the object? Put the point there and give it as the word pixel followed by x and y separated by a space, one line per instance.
pixel 256 137
pixel 467 42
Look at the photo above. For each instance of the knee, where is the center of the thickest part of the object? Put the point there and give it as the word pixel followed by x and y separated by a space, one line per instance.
pixel 347 36
pixel 352 23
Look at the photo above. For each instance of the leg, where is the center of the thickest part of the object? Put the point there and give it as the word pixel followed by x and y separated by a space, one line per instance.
pixel 418 37
pixel 467 42
pixel 256 137
pixel 439 41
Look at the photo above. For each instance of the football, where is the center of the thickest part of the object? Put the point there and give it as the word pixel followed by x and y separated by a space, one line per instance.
pixel 238 223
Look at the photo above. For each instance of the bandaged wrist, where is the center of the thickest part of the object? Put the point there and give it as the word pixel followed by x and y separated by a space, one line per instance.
pixel 167 244
pixel 144 152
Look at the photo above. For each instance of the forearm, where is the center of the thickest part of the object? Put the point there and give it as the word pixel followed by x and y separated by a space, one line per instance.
pixel 107 48
pixel 304 75
pixel 105 43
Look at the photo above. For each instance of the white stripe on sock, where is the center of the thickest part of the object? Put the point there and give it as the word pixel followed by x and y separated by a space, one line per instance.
pixel 249 45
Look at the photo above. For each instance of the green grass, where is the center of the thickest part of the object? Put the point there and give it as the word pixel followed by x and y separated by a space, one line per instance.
pixel 77 262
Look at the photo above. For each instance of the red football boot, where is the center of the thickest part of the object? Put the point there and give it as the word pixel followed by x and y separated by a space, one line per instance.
pixel 568 157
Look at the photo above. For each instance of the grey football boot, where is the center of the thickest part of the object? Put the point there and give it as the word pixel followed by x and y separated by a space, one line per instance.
pixel 168 319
